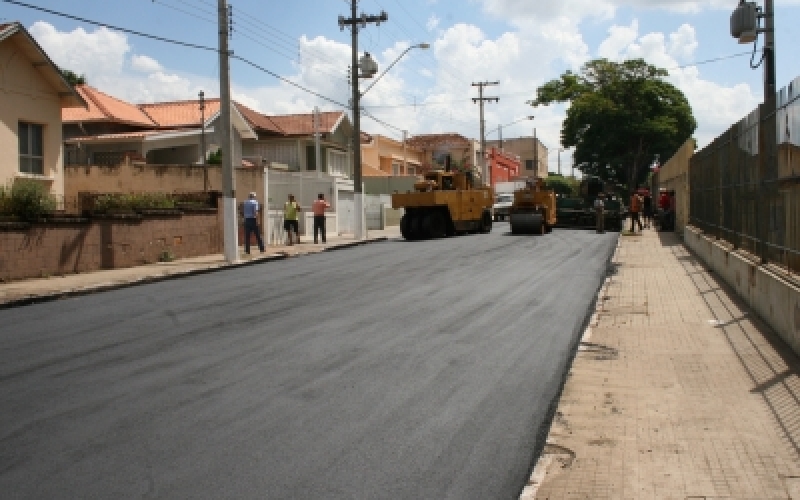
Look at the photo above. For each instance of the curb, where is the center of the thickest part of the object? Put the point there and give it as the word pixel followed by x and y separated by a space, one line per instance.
pixel 108 286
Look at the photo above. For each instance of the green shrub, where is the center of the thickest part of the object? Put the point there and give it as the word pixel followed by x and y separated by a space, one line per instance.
pixel 5 201
pixel 30 200
pixel 133 202
pixel 215 158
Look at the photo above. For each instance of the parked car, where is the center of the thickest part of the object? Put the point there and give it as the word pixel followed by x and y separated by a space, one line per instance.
pixel 502 206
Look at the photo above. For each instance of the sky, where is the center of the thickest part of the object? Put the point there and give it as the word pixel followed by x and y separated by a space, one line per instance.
pixel 521 44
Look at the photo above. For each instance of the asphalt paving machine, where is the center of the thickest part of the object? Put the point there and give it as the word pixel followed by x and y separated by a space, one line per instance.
pixel 534 209
pixel 443 204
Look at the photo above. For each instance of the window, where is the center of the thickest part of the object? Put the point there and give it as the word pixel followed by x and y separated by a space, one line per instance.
pixel 396 169
pixel 31 150
pixel 337 163
pixel 410 170
pixel 528 164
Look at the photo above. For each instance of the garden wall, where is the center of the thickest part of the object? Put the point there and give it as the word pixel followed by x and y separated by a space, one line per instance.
pixel 76 245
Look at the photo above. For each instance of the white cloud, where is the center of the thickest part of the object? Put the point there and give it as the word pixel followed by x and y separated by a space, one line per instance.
pixel 101 52
pixel 145 64
pixel 432 23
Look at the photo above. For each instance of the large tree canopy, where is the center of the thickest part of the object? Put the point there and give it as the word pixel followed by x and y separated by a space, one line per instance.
pixel 620 116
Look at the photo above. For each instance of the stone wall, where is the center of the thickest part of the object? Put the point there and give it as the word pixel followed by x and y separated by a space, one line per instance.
pixel 57 248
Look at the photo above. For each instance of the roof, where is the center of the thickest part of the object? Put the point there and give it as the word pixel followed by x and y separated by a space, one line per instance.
pixel 368 170
pixel 303 124
pixel 257 120
pixel 68 97
pixel 102 107
pixel 430 141
pixel 180 113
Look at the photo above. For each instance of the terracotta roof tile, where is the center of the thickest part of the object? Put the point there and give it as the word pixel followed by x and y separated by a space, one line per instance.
pixel 426 141
pixel 180 113
pixel 258 120
pixel 103 107
pixel 303 124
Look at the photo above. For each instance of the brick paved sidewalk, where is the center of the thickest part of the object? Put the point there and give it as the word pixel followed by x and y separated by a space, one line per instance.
pixel 36 290
pixel 677 391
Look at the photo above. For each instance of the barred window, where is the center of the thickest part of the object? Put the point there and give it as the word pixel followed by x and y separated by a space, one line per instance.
pixel 31 148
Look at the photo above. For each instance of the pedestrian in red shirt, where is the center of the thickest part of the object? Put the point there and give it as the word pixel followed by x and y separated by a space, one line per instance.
pixel 318 208
pixel 635 209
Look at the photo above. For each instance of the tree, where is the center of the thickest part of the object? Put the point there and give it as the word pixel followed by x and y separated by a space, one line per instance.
pixel 620 116
pixel 562 185
pixel 73 78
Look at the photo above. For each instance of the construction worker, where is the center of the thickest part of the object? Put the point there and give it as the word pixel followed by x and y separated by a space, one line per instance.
pixel 599 209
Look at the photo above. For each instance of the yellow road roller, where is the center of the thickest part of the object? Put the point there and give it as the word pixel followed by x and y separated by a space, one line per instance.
pixel 534 209
pixel 444 204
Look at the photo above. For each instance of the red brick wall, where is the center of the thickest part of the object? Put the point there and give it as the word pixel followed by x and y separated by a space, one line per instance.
pixel 49 249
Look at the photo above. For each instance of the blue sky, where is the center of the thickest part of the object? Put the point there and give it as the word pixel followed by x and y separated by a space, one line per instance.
pixel 521 43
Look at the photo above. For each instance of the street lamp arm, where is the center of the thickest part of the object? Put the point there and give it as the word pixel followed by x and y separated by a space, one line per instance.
pixel 419 45
pixel 509 124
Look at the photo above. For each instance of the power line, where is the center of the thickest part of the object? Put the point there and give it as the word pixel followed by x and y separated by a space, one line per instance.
pixel 109 26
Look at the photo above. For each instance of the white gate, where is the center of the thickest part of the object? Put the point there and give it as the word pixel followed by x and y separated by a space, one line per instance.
pixel 345 212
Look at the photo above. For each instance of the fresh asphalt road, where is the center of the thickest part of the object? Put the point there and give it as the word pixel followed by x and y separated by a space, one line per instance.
pixel 403 370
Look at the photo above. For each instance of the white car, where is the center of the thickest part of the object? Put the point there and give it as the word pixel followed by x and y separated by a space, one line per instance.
pixel 502 206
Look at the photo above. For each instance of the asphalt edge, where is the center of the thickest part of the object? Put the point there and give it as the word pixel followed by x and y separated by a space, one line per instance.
pixel 539 466
pixel 112 285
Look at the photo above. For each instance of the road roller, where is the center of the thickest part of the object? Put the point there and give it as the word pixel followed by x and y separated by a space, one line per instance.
pixel 534 209
pixel 443 204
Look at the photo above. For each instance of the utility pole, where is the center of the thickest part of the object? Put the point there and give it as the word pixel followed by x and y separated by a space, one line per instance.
pixel 202 97
pixel 559 160
pixel 766 132
pixel 317 134
pixel 500 136
pixel 354 21
pixel 405 166
pixel 535 153
pixel 481 100
pixel 229 218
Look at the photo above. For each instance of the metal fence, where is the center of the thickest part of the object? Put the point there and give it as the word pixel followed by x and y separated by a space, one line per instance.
pixel 750 196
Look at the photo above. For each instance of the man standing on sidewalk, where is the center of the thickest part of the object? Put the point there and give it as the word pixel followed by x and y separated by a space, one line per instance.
pixel 290 222
pixel 250 209
pixel 318 207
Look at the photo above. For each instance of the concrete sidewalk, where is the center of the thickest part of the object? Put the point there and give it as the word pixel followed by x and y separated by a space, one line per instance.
pixel 31 291
pixel 677 391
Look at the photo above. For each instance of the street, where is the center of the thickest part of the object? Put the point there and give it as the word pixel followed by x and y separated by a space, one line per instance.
pixel 401 370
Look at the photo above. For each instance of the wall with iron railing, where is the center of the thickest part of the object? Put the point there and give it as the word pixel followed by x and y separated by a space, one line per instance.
pixel 750 196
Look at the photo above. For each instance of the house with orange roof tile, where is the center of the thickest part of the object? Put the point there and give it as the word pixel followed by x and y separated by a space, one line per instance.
pixel 110 130
pixel 33 94
pixel 296 147
pixel 464 152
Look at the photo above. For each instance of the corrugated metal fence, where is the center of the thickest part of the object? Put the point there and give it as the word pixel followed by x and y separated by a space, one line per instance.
pixel 748 197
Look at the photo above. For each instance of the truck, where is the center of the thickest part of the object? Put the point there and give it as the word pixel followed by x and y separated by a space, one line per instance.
pixel 443 204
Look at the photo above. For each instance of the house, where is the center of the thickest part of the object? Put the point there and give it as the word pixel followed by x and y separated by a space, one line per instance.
pixel 384 156
pixel 295 146
pixel 464 153
pixel 503 166
pixel 33 94
pixel 531 151
pixel 110 130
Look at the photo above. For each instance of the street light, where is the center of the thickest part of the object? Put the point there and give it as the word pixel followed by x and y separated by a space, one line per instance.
pixel 368 67
pixel 417 46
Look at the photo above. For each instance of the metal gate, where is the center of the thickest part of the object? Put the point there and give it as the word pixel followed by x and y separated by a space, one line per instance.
pixel 345 212
pixel 373 207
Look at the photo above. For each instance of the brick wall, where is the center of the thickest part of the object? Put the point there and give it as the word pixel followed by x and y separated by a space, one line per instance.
pixel 53 249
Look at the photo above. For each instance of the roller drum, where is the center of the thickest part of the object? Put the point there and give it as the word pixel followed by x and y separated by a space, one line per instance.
pixel 530 223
